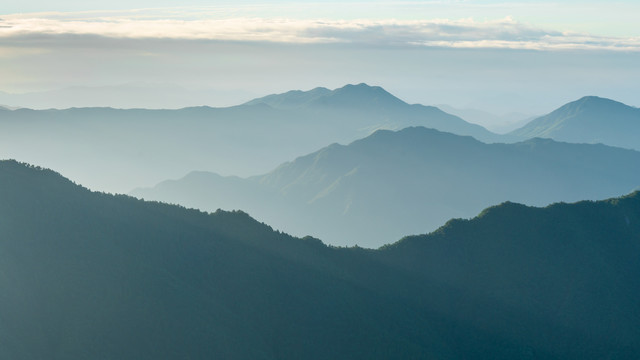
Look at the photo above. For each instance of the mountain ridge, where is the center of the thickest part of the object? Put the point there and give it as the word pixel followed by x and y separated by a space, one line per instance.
pixel 590 119
pixel 356 97
pixel 349 95
pixel 410 181
pixel 98 275
pixel 158 144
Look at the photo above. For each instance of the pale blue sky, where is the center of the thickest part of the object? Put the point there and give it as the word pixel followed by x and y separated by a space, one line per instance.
pixel 499 56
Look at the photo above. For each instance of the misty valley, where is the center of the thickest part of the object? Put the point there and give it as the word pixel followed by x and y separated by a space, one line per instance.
pixel 319 224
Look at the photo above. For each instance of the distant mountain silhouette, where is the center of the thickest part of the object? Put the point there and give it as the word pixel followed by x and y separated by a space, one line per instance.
pixel 292 99
pixel 377 189
pixel 590 120
pixel 138 147
pixel 356 96
pixel 352 101
pixel 90 275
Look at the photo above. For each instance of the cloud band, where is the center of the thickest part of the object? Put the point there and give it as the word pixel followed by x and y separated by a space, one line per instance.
pixel 462 33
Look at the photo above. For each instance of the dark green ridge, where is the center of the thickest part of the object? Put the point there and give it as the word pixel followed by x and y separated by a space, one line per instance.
pixel 94 275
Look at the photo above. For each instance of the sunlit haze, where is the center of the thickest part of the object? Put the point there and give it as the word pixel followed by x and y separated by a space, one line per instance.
pixel 501 57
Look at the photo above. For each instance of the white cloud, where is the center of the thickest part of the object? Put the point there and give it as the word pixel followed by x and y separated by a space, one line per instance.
pixel 461 33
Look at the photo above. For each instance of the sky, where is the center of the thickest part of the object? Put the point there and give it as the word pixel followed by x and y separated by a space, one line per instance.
pixel 516 56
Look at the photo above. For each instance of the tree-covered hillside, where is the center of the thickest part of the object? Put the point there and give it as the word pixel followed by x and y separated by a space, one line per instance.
pixel 92 275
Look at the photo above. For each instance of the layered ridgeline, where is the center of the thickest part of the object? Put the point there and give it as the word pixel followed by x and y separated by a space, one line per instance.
pixel 588 120
pixel 89 275
pixel 117 150
pixel 375 190
pixel 385 111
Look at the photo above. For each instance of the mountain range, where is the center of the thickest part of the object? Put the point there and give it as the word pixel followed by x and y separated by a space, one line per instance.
pixel 389 184
pixel 138 146
pixel 93 275
pixel 389 112
pixel 591 120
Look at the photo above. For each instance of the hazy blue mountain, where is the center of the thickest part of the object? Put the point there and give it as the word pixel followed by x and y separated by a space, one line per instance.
pixel 90 275
pixel 377 189
pixel 113 149
pixel 382 109
pixel 117 150
pixel 358 96
pixel 588 120
pixel 292 99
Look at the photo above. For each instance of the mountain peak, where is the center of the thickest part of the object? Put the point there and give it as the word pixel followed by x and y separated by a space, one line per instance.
pixel 590 98
pixel 590 119
pixel 360 87
pixel 360 95
pixel 594 106
pixel 349 95
pixel 595 103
